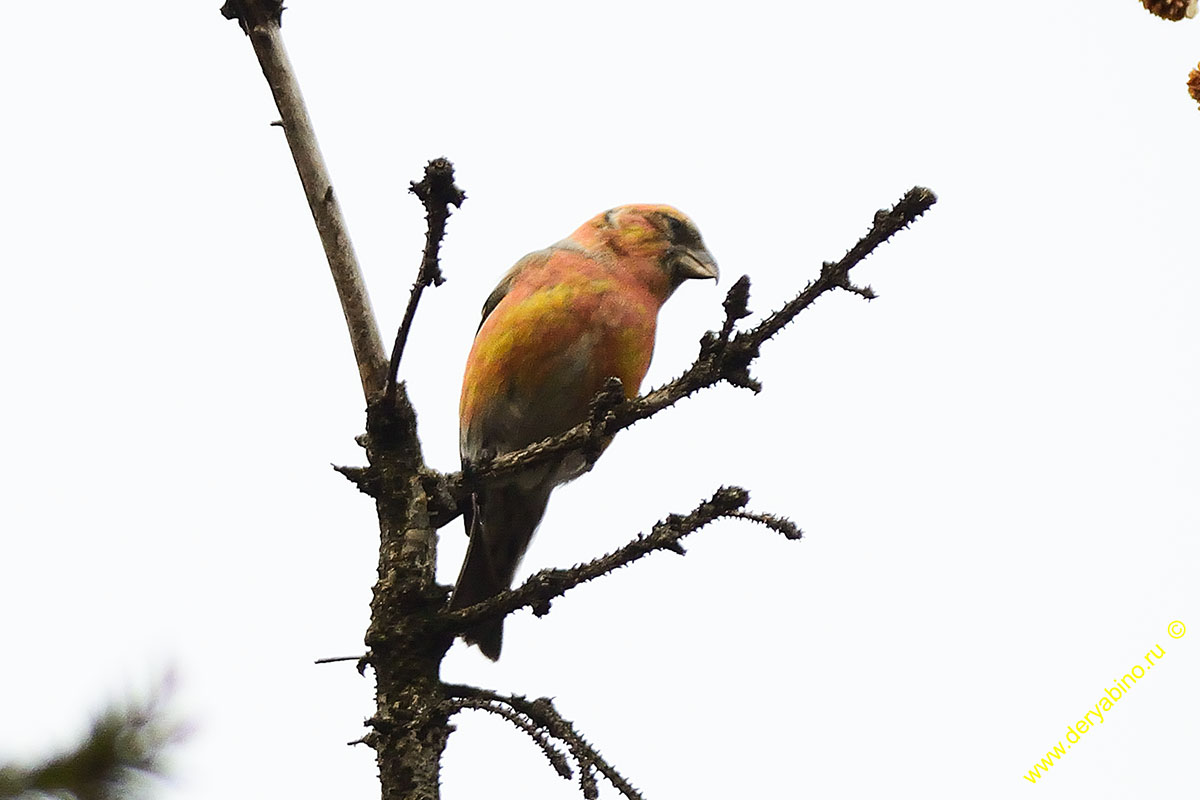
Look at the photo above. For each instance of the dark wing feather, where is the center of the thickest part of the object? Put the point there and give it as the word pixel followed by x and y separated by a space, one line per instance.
pixel 535 259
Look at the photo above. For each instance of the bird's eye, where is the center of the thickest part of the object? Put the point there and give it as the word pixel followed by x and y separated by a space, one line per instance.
pixel 677 228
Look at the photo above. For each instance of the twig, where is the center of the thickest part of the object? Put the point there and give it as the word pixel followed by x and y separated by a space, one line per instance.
pixel 260 20
pixel 723 356
pixel 336 659
pixel 544 716
pixel 541 588
pixel 778 524
pixel 522 722
pixel 887 223
pixel 437 192
pixel 736 305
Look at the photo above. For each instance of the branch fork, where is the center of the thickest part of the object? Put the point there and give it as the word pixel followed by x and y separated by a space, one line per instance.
pixel 410 628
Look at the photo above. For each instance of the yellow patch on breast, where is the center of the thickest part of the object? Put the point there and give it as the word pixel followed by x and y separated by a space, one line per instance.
pixel 561 340
pixel 632 352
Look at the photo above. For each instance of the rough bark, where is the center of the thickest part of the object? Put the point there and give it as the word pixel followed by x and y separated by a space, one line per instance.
pixel 408 732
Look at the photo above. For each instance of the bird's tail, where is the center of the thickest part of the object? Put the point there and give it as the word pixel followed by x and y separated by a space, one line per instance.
pixel 477 581
pixel 501 523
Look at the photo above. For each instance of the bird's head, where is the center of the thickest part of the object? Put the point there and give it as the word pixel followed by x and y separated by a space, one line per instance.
pixel 660 232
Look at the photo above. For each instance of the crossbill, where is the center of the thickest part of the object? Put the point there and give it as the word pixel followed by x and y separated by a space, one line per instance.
pixel 558 325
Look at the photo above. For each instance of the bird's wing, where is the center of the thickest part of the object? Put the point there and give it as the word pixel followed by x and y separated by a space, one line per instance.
pixel 535 259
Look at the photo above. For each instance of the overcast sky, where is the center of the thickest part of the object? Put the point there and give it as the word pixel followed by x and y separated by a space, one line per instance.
pixel 994 463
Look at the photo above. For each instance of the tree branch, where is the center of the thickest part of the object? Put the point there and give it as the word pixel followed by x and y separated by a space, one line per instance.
pixel 437 192
pixel 260 20
pixel 539 719
pixel 541 715
pixel 723 357
pixel 405 665
pixel 539 735
pixel 540 589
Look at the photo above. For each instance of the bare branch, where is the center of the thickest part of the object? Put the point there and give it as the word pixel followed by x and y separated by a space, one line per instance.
pixel 540 589
pixel 723 357
pixel 339 659
pixel 887 223
pixel 539 735
pixel 544 717
pixel 260 20
pixel 778 524
pixel 437 192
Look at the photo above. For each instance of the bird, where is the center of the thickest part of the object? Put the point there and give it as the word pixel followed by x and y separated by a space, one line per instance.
pixel 560 323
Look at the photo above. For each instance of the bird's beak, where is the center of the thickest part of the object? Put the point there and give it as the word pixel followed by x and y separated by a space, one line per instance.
pixel 694 262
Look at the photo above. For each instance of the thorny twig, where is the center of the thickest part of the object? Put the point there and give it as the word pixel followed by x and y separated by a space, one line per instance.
pixel 437 192
pixel 540 589
pixel 540 715
pixel 539 735
pixel 723 356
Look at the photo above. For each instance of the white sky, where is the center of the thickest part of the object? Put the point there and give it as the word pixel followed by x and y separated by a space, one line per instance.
pixel 995 462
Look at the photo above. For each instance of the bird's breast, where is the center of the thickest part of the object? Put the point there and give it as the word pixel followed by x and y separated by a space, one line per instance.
pixel 544 353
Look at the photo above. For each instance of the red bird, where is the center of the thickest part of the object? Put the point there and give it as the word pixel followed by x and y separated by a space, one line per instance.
pixel 559 324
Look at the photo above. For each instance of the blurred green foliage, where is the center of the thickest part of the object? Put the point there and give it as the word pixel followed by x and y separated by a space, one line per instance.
pixel 118 758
